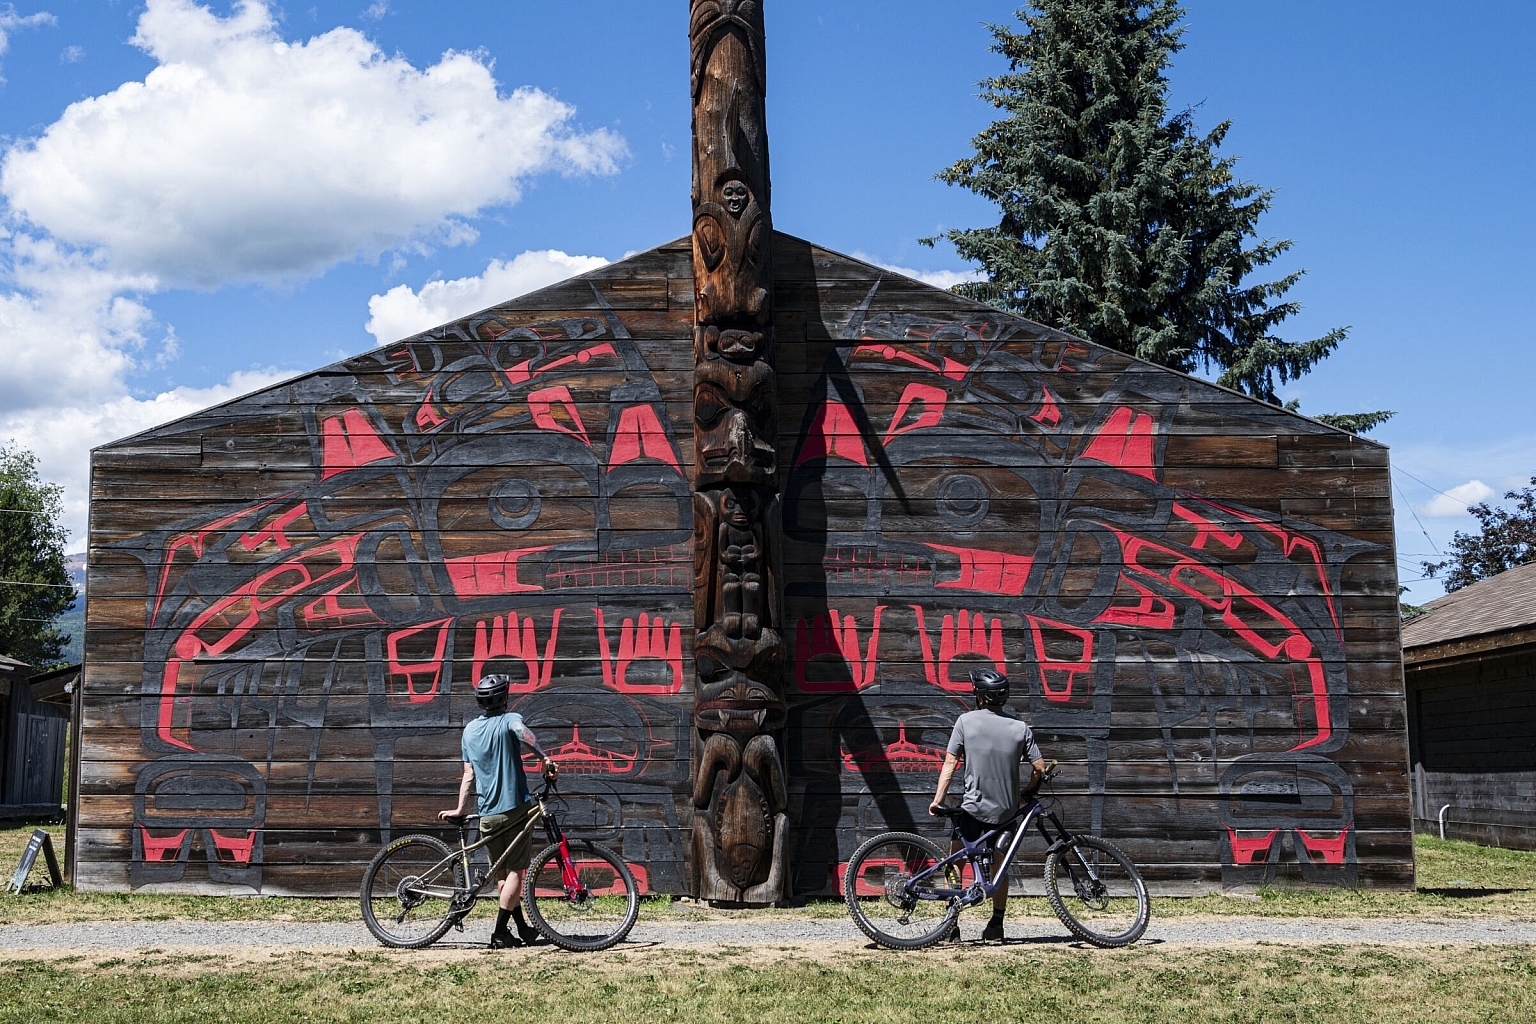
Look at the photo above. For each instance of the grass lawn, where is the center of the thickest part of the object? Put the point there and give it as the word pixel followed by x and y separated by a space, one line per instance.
pixel 1456 879
pixel 1041 983
pixel 1268 984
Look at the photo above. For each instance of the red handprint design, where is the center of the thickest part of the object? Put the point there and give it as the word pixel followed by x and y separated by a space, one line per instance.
pixel 511 638
pixel 963 634
pixel 652 638
pixel 827 634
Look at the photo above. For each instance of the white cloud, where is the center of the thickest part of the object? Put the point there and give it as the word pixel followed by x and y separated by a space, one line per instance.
pixel 401 312
pixel 938 278
pixel 10 21
pixel 73 333
pixel 64 437
pixel 70 328
pixel 242 156
pixel 71 55
pixel 1454 502
pixel 246 157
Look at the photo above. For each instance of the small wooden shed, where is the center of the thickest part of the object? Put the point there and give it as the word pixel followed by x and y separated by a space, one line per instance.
pixel 33 739
pixel 1470 668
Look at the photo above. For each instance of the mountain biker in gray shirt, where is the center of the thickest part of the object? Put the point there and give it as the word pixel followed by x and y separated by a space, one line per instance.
pixel 993 744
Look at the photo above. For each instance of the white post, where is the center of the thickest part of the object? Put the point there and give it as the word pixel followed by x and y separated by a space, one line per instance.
pixel 1442 819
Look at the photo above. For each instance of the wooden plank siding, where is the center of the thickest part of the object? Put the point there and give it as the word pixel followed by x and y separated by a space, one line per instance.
pixel 1472 731
pixel 292 593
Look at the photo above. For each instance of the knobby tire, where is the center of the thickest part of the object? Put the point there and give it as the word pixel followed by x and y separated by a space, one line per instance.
pixel 582 928
pixel 857 909
pixel 389 875
pixel 1057 863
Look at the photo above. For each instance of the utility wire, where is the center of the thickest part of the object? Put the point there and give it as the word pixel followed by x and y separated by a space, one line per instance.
pixel 25 512
pixel 1416 519
pixel 1432 487
pixel 24 583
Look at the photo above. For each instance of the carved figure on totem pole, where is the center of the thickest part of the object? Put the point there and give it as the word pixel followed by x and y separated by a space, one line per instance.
pixel 740 794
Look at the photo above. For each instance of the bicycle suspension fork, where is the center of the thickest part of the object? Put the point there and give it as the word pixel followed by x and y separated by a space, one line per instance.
pixel 568 877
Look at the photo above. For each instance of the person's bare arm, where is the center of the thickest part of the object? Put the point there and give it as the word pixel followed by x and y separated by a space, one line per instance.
pixel 1038 764
pixel 466 790
pixel 947 773
pixel 525 734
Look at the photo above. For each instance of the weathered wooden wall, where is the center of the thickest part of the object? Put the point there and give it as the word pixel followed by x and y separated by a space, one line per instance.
pixel 1472 729
pixel 291 594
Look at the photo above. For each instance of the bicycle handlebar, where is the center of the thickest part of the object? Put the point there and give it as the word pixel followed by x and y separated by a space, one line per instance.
pixel 1051 767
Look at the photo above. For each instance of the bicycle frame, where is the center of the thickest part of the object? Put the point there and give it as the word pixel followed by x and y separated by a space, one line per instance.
pixel 1032 813
pixel 540 815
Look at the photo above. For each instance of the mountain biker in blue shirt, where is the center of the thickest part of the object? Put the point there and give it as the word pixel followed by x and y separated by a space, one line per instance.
pixel 993 744
pixel 493 770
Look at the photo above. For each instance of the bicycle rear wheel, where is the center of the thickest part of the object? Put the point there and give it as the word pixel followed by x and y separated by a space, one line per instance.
pixel 597 913
pixel 409 890
pixel 1103 901
pixel 885 903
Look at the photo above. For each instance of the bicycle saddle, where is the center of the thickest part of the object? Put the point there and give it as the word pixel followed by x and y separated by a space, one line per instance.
pixel 461 819
pixel 947 811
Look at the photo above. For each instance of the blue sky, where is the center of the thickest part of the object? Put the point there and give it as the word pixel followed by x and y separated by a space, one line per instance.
pixel 189 208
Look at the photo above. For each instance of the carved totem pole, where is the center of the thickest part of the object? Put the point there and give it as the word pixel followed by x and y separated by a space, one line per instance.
pixel 739 794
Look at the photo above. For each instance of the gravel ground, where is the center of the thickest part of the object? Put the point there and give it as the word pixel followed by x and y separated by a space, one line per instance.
pixel 124 936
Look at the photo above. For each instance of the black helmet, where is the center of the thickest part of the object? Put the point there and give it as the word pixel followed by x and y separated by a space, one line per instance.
pixel 989 686
pixel 491 691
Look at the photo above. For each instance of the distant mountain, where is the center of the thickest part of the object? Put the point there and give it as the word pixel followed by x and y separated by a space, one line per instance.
pixel 73 621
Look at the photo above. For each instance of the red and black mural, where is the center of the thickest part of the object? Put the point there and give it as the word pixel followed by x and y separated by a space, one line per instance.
pixel 953 502
pixel 293 594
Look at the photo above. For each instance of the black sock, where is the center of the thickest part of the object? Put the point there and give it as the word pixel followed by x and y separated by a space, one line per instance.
pixel 997 916
pixel 517 915
pixel 501 918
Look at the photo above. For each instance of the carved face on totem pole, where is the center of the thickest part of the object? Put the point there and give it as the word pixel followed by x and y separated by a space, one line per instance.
pixel 735 423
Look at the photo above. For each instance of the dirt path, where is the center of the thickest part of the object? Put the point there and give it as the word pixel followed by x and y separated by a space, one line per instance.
pixel 248 939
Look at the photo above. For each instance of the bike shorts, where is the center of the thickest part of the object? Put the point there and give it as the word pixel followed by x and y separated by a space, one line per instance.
pixel 972 829
pixel 506 831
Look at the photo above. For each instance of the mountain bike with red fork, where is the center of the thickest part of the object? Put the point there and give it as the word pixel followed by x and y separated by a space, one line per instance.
pixel 578 894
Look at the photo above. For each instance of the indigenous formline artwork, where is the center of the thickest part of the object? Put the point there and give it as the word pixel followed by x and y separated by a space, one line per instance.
pixel 517 494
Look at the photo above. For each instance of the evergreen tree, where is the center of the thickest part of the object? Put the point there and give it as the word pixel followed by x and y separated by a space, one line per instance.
pixel 34 582
pixel 1507 540
pixel 1119 222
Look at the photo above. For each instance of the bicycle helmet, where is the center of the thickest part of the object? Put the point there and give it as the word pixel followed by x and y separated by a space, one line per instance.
pixel 491 692
pixel 990 687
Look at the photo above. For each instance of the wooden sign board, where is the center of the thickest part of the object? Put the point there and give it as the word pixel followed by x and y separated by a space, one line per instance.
pixel 40 840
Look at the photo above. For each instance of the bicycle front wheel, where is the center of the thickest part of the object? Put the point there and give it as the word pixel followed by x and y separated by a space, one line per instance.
pixel 887 904
pixel 409 891
pixel 1097 892
pixel 595 913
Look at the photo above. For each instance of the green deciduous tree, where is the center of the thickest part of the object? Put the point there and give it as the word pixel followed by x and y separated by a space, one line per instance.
pixel 1507 539
pixel 1120 223
pixel 34 581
